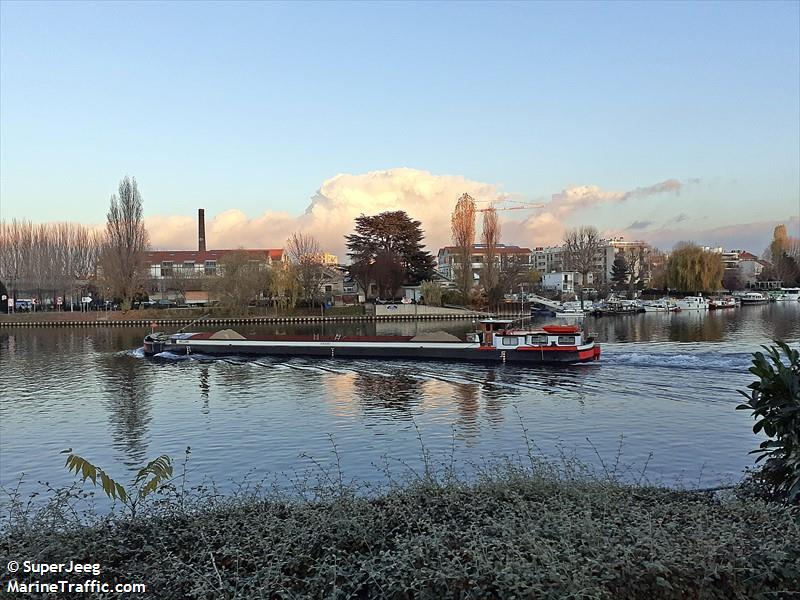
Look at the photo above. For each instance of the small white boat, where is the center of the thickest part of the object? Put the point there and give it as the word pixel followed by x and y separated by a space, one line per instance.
pixel 791 294
pixel 718 303
pixel 786 295
pixel 692 303
pixel 753 298
pixel 663 305
pixel 572 310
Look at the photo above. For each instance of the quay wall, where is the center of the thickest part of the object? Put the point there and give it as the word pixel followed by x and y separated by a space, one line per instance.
pixel 419 310
pixel 171 321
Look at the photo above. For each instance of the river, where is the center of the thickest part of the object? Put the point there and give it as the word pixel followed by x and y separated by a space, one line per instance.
pixel 665 392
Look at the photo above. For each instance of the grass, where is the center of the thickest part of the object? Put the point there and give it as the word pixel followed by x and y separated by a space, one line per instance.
pixel 517 529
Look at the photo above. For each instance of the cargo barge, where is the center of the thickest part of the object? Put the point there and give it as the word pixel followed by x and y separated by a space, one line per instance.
pixel 496 340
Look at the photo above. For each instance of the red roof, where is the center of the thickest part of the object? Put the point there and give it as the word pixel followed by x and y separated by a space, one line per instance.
pixel 747 256
pixel 180 256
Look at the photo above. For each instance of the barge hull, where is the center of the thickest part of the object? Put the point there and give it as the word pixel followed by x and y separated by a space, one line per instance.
pixel 562 356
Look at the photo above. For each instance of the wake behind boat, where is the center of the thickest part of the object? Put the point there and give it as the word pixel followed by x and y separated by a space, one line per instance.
pixel 495 341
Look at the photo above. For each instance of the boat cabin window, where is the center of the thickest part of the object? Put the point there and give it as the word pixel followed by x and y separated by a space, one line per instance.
pixel 510 340
pixel 566 340
pixel 538 340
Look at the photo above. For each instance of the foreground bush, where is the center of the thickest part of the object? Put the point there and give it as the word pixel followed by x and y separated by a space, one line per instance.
pixel 774 400
pixel 517 533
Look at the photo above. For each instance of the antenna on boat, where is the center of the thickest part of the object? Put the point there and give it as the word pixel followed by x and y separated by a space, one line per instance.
pixel 193 322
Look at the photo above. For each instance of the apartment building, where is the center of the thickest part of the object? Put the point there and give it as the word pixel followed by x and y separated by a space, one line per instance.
pixel 506 257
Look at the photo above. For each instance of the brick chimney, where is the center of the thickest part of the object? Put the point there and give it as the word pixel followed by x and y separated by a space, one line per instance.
pixel 201 230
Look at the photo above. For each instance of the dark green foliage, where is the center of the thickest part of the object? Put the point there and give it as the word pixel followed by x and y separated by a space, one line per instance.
pixel 514 533
pixel 381 241
pixel 774 400
pixel 620 270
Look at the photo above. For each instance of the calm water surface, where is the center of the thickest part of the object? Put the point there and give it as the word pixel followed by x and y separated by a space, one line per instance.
pixel 666 385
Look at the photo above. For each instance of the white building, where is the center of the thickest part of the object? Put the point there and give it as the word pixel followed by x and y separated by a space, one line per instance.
pixel 563 282
pixel 552 259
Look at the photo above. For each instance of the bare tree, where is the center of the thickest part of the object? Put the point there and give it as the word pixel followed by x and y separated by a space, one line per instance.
pixel 283 287
pixel 47 260
pixel 125 243
pixel 462 226
pixel 305 255
pixel 490 238
pixel 581 246
pixel 638 261
pixel 240 282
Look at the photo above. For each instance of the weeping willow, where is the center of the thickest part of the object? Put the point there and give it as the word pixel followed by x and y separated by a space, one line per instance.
pixel 691 268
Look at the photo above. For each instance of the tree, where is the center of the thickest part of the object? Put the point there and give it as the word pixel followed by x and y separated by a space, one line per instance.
pixel 304 253
pixel 731 280
pixel 397 239
pixel 784 254
pixel 388 273
pixel 462 227
pixel 530 279
pixel 284 289
pixel 241 280
pixel 431 293
pixel 638 262
pixel 125 242
pixel 490 276
pixel 620 270
pixel 47 260
pixel 581 246
pixel 690 269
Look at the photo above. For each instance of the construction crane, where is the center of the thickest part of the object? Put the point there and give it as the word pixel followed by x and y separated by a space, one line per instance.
pixel 524 205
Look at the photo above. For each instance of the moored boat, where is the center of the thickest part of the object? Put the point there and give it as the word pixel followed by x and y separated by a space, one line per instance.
pixel 791 294
pixel 692 303
pixel 572 310
pixel 495 341
pixel 718 303
pixel 785 295
pixel 753 298
pixel 662 305
pixel 615 306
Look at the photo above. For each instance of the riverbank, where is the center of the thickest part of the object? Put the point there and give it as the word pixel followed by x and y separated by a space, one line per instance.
pixel 182 316
pixel 517 533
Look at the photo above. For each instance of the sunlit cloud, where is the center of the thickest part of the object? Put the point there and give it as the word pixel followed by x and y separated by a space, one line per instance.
pixel 548 225
pixel 425 196
pixel 329 216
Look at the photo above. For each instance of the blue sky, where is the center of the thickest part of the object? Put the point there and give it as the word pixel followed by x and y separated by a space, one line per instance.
pixel 253 106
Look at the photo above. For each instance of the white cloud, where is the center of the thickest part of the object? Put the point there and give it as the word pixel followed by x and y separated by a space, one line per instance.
pixel 424 196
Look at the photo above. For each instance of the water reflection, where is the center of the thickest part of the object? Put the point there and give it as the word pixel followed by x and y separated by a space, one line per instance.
pixel 128 391
pixel 467 406
pixel 205 388
pixel 379 393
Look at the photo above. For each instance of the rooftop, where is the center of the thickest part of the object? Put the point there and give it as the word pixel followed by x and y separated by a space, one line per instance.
pixel 158 256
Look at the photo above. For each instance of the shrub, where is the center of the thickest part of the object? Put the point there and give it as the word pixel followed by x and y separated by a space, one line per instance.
pixel 774 400
pixel 514 533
